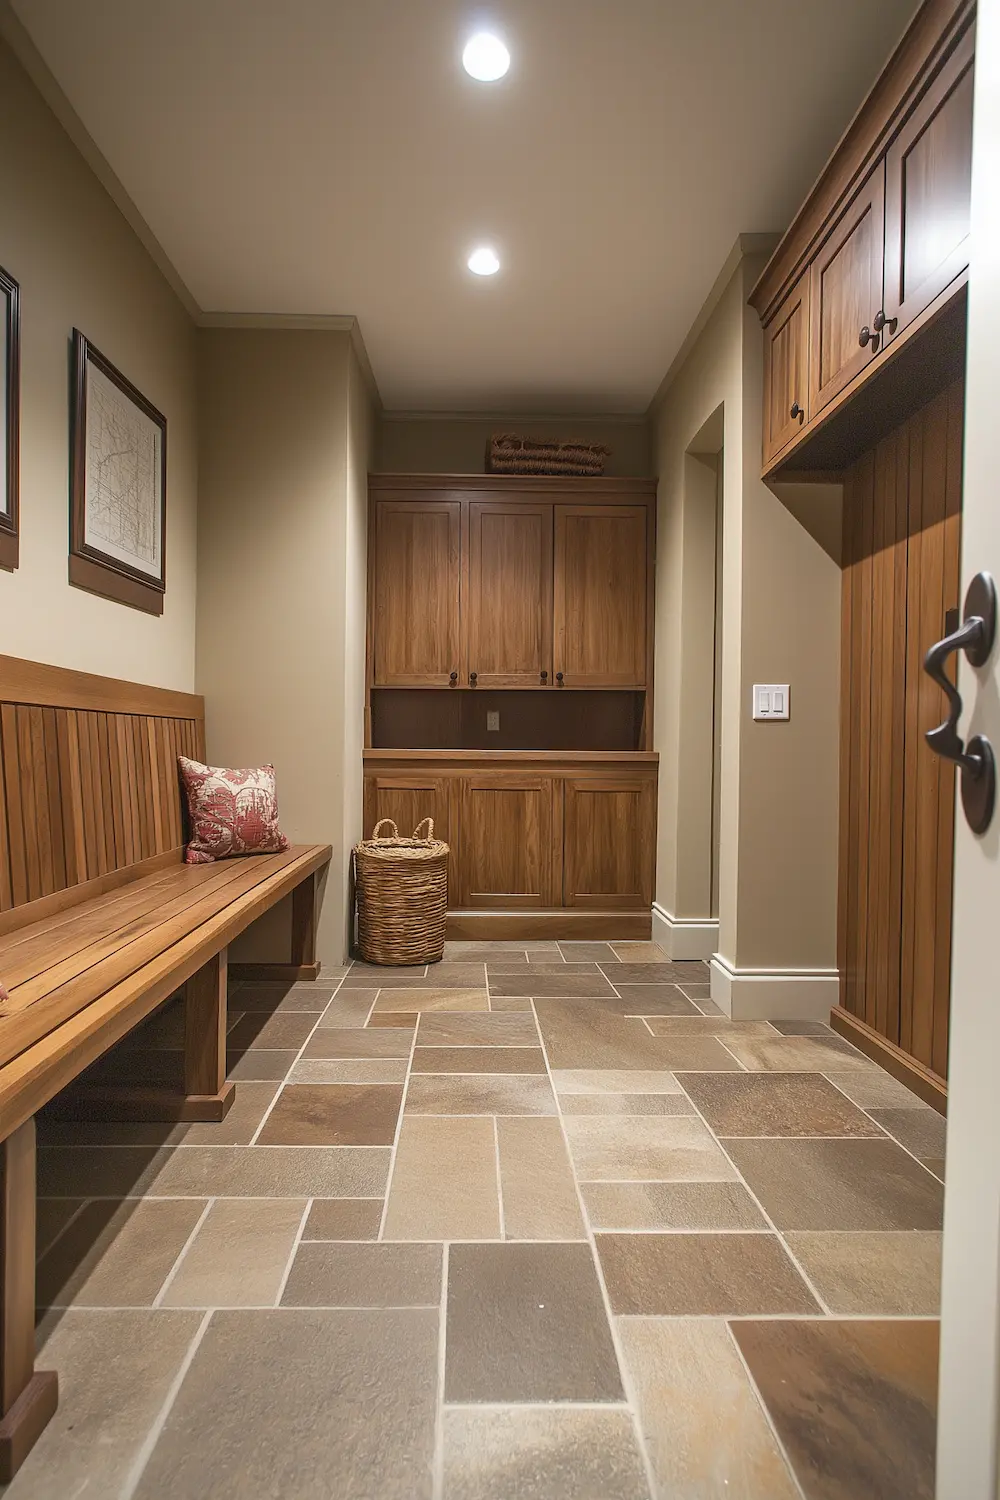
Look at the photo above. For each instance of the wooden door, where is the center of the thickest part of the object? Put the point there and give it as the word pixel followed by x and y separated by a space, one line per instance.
pixel 902 506
pixel 601 596
pixel 407 798
pixel 508 837
pixel 609 841
pixel 416 576
pixel 928 182
pixel 509 599
pixel 846 293
pixel 786 370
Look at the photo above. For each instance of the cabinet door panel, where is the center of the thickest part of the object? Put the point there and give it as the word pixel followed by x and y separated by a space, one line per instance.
pixel 846 293
pixel 609 842
pixel 507 841
pixel 417 574
pixel 407 800
pixel 600 595
pixel 927 191
pixel 786 370
pixel 510 593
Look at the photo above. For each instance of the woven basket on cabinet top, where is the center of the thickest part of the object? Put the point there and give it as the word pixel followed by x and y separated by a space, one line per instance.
pixel 402 892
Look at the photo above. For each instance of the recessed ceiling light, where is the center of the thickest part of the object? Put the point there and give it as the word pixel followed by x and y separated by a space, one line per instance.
pixel 484 261
pixel 485 57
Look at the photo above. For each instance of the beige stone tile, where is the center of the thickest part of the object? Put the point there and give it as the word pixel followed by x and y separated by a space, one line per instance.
pixel 115 1372
pixel 115 1254
pixel 274 1172
pixel 536 1180
pixel 579 1034
pixel 359 1042
pixel 686 1374
pixel 347 1008
pixel 344 1275
pixel 538 980
pixel 444 1184
pixel 349 1070
pixel 261 1030
pixel 477 1059
pixel 775 1104
pixel 592 952
pixel 874 1089
pixel 515 1003
pixel 334 1114
pixel 644 1148
pixel 239 1255
pixel 699 1025
pixel 344 1219
pixel 409 1002
pixel 922 1131
pixel 451 976
pixel 625 1104
pixel 839 1184
pixel 702 1275
pixel 874 1274
pixel 282 999
pixel 614 1081
pixel 530 1453
pixel 260 1063
pixel 453 1029
pixel 482 1094
pixel 309 1404
pixel 798 1054
pixel 671 1205
pixel 640 953
pixel 240 1125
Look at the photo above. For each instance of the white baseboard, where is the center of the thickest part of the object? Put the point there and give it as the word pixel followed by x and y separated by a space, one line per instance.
pixel 685 937
pixel 774 994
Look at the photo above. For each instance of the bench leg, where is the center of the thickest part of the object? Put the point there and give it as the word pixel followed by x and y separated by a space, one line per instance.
pixel 28 1398
pixel 207 1092
pixel 302 964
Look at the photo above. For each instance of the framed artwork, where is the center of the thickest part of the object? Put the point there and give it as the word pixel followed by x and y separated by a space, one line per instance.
pixel 118 485
pixel 10 365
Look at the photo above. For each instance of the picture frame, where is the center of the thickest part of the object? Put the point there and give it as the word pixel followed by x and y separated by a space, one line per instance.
pixel 10 420
pixel 118 485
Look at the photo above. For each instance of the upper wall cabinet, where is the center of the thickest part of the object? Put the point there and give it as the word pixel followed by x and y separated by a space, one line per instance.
pixel 417 591
pixel 881 244
pixel 484 583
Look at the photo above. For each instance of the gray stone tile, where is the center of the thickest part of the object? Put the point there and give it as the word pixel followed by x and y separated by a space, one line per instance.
pixel 349 1070
pixel 701 1275
pixel 874 1090
pixel 536 1181
pixel 347 1008
pixel 477 1059
pixel 922 1131
pixel 671 1205
pixel 519 1004
pixel 250 1105
pixel 589 952
pixel 344 1219
pixel 100 1171
pixel 275 1172
pixel 614 1081
pixel 625 1104
pixel 632 1148
pixel 260 1063
pixel 261 1030
pixel 280 1404
pixel 444 1183
pixel 284 998
pixel 775 1104
pixel 239 1255
pixel 830 1184
pixel 479 1029
pixel 528 1453
pixel 478 1094
pixel 875 1274
pixel 538 981
pixel 579 1035
pixel 651 1000
pixel 347 1275
pixel 527 1323
pixel 115 1372
pixel 414 1001
pixel 350 1042
pixel 116 1254
pixel 799 1054
pixel 51 1217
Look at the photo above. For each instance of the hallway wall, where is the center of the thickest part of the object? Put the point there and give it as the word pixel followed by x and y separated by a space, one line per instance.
pixel 432 444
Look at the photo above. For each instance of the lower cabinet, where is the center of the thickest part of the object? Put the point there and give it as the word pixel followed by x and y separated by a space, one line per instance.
pixel 532 837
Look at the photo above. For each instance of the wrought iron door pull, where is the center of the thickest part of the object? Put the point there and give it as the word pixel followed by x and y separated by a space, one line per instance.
pixel 975 760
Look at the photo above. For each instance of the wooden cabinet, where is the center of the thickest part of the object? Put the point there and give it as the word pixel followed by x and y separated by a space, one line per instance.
pixel 786 370
pixel 846 293
pixel 601 592
pixel 407 797
pixel 928 186
pixel 416 592
pixel 609 841
pixel 507 851
pixel 510 593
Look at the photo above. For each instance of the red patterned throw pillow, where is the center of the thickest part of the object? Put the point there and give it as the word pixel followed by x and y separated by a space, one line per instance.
pixel 232 812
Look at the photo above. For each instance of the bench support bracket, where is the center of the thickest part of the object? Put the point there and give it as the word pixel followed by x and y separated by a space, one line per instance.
pixel 302 964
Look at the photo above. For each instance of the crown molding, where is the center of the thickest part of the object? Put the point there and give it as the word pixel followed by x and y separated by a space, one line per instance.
pixel 321 322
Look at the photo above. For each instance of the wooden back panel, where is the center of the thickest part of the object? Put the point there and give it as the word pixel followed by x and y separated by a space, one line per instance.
pixel 88 773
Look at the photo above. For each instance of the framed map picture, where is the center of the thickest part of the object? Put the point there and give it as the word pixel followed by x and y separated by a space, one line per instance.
pixel 118 485
pixel 10 373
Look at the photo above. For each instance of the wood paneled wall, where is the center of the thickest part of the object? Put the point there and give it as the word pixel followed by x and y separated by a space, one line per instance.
pixel 88 772
pixel 902 519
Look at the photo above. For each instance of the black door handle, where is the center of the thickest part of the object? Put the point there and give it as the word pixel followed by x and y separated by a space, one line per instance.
pixel 975 760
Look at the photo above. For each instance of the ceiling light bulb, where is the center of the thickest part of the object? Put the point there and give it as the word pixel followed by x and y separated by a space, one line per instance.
pixel 484 261
pixel 485 57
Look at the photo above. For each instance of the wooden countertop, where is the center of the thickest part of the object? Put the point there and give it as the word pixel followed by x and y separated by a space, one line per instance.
pixel 472 757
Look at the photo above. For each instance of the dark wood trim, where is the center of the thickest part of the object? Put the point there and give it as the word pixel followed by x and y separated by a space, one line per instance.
pixel 925 45
pixel 607 491
pixel 548 759
pixel 561 922
pixel 39 683
pixel 276 972
pixel 9 519
pixel 106 575
pixel 925 1084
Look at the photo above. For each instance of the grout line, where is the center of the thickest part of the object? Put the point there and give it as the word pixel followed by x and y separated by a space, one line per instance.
pixel 59 1232
pixel 296 1242
pixel 437 1480
pixel 623 1369
pixel 158 1299
pixel 294 1064
pixel 496 1146
pixel 886 1134
pixel 153 1435
pixel 398 1131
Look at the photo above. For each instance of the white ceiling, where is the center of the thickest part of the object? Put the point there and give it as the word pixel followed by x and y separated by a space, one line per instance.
pixel 330 156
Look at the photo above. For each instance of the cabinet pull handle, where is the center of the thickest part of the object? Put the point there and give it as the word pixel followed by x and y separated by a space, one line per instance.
pixel 866 337
pixel 473 678
pixel 559 677
pixel 880 321
pixel 975 759
pixel 545 676
pixel 797 411
pixel 454 677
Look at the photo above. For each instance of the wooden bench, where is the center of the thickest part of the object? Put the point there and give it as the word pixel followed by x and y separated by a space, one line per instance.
pixel 100 923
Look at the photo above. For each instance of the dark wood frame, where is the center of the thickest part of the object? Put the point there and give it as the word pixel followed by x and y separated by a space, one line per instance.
pixel 89 568
pixel 9 541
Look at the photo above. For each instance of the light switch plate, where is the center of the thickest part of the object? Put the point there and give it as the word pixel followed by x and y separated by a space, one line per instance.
pixel 771 700
pixel 493 722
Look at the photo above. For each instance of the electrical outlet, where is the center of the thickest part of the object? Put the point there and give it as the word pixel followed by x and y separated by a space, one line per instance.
pixel 493 723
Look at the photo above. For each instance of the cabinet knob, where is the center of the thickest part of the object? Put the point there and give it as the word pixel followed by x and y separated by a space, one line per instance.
pixel 797 411
pixel 545 676
pixel 865 337
pixel 880 321
pixel 473 678
pixel 454 677
pixel 559 677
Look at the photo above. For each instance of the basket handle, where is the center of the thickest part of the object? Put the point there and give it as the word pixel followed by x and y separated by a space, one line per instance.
pixel 381 824
pixel 427 823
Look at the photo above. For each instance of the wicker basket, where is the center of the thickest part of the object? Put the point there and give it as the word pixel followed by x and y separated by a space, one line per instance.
pixel 506 453
pixel 402 890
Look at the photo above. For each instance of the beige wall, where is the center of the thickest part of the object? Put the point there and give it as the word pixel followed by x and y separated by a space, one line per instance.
pixel 781 623
pixel 285 425
pixel 457 445
pixel 80 265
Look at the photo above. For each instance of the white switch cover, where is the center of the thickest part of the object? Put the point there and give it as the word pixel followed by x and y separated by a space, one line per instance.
pixel 493 723
pixel 771 700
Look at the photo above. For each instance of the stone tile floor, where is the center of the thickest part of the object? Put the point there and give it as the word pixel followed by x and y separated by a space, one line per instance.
pixel 539 1224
